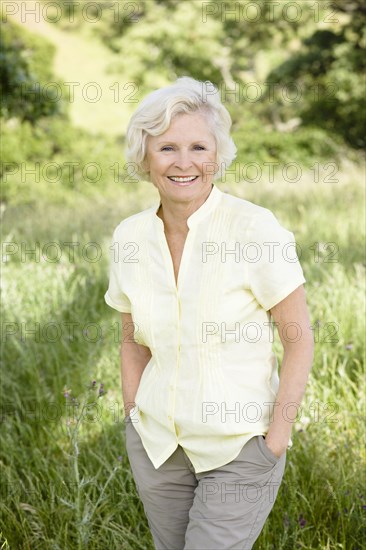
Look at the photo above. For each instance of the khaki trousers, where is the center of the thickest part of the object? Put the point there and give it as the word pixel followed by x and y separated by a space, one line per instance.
pixel 220 509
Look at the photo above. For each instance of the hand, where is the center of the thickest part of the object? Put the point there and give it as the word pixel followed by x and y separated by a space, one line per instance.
pixel 128 407
pixel 277 449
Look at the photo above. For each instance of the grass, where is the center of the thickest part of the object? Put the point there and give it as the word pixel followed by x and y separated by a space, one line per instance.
pixel 66 477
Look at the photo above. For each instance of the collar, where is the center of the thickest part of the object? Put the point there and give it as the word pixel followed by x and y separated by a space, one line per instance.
pixel 210 203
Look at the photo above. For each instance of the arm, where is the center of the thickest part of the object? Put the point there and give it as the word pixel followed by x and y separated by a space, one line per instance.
pixel 134 358
pixel 295 367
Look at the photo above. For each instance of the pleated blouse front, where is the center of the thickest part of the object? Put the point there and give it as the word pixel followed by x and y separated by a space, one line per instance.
pixel 212 380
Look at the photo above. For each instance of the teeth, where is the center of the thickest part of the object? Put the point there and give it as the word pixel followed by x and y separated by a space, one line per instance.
pixel 182 180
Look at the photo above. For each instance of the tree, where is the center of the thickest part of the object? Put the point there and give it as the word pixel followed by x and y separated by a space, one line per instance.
pixel 25 75
pixel 329 71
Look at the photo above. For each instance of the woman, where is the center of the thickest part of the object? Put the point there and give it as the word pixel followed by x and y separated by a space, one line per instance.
pixel 197 278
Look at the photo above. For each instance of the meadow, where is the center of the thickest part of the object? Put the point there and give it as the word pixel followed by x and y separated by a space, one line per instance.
pixel 66 479
pixel 66 476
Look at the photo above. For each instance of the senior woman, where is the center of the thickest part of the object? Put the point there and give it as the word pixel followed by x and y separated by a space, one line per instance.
pixel 199 279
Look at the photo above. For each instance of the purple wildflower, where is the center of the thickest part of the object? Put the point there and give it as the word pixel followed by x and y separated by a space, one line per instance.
pixel 301 521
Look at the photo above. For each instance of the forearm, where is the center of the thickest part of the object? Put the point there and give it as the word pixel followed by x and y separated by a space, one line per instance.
pixel 133 363
pixel 295 368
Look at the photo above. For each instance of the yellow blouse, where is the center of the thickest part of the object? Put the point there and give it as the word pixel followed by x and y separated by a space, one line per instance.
pixel 212 380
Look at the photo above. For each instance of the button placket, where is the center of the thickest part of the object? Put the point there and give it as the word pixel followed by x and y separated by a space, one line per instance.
pixel 172 387
pixel 186 252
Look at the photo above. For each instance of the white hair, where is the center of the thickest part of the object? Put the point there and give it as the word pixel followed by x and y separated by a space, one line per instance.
pixel 153 117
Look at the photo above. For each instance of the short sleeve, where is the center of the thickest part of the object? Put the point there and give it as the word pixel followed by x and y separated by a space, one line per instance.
pixel 273 266
pixel 114 296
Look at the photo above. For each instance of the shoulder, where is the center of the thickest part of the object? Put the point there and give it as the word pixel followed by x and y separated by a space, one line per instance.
pixel 134 224
pixel 246 213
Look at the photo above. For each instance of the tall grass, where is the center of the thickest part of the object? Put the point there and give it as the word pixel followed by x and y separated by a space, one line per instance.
pixel 66 481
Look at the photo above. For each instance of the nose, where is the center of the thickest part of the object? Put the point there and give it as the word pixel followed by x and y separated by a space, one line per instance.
pixel 183 161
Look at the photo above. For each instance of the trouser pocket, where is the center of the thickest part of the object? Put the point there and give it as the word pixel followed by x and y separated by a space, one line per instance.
pixel 266 450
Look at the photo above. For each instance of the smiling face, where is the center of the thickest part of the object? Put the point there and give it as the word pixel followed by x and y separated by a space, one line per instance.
pixel 181 161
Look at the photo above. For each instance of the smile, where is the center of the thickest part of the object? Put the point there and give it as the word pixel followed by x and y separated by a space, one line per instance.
pixel 183 179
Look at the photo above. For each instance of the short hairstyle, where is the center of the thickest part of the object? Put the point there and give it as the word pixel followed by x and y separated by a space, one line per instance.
pixel 153 117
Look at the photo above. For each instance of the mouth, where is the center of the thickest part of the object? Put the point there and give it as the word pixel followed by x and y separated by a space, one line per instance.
pixel 182 181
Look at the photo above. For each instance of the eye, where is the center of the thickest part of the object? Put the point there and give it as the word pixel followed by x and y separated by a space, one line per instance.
pixel 199 148
pixel 167 148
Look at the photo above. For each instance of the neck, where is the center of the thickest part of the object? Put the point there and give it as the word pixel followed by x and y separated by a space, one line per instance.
pixel 175 216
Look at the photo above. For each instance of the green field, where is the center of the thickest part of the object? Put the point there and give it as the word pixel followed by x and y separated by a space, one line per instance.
pixel 65 470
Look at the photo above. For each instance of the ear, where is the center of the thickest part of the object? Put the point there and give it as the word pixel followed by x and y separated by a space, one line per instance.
pixel 145 165
pixel 146 162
